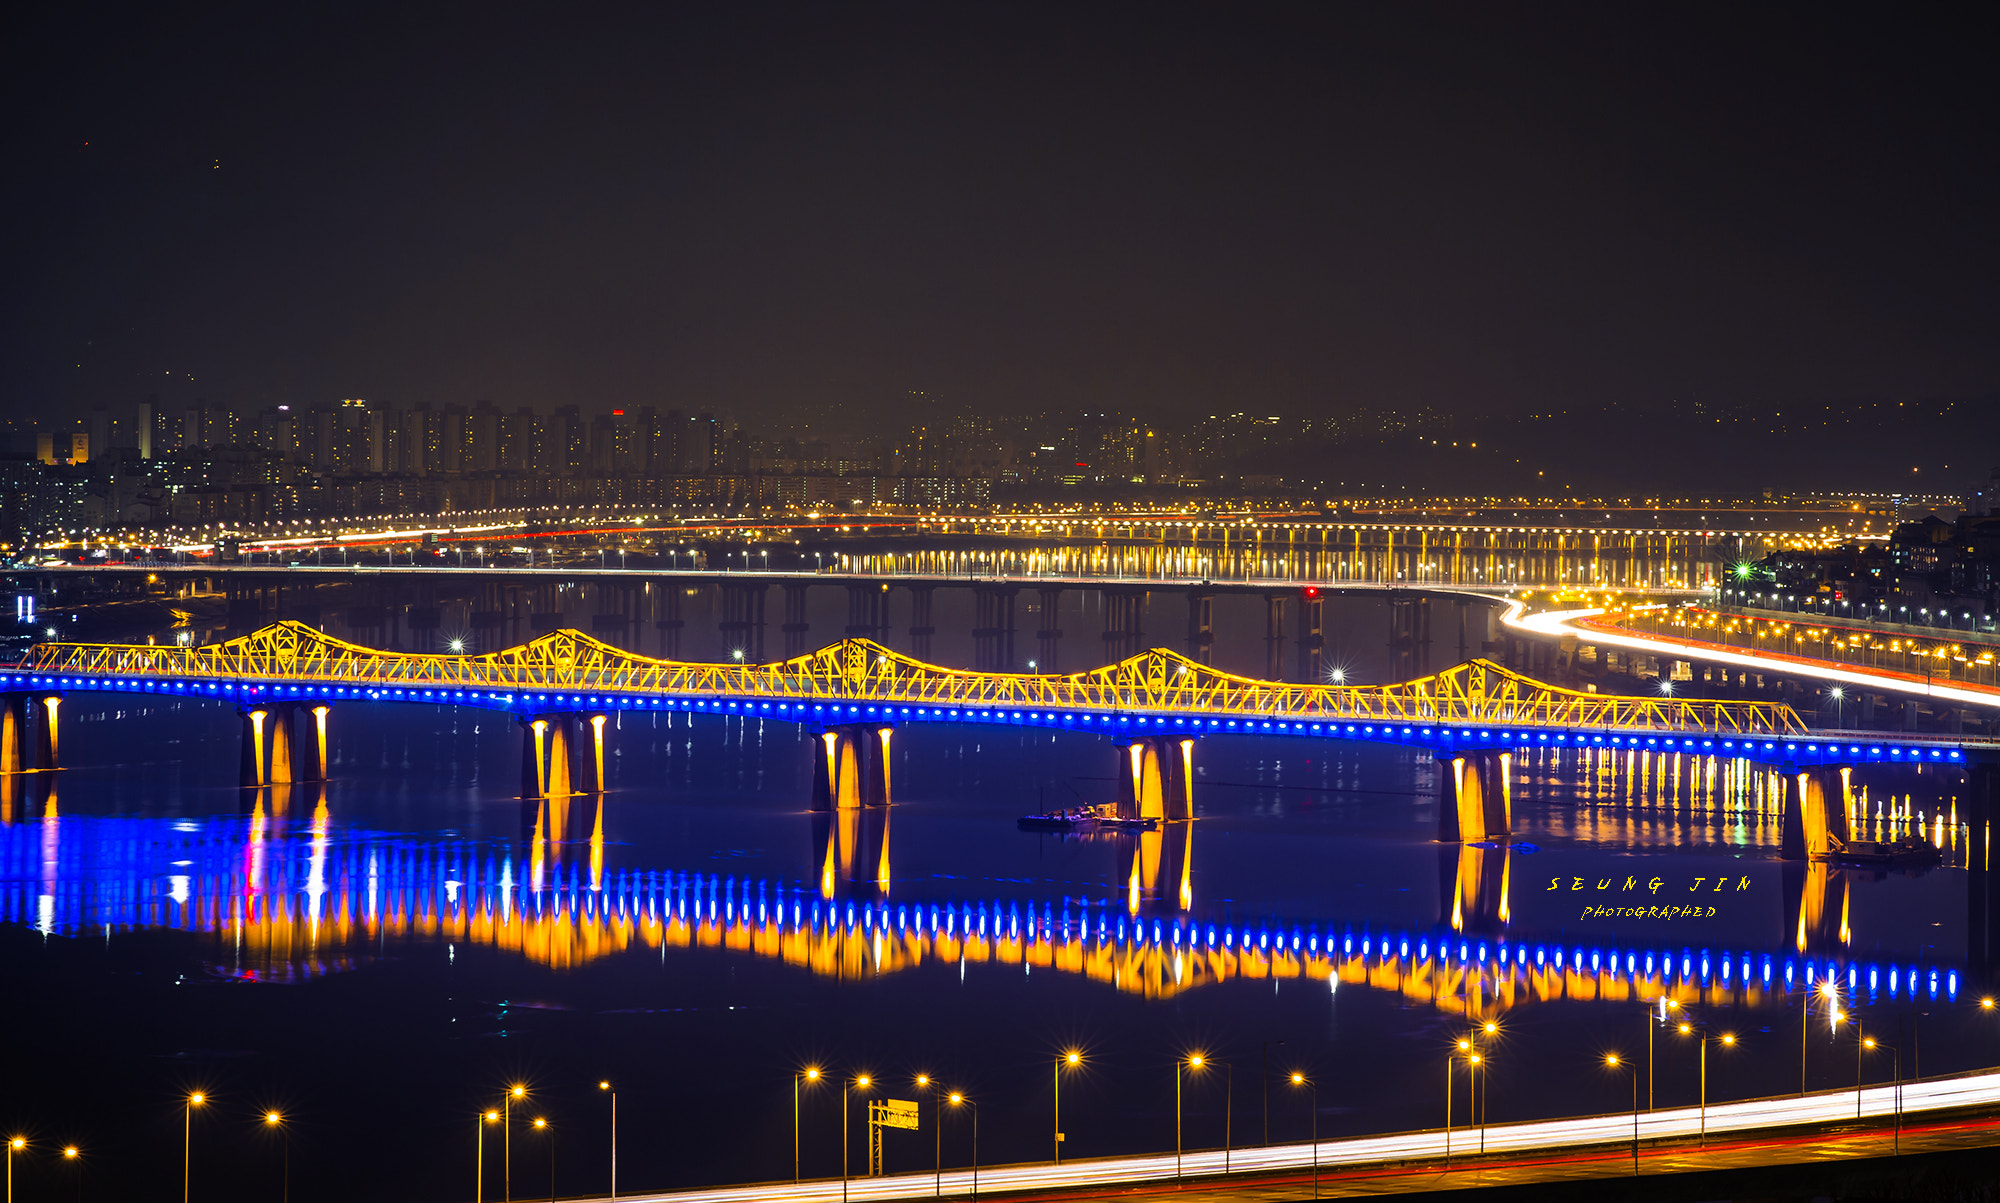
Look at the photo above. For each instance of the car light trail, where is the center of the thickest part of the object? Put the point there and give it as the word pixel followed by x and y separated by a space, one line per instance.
pixel 1557 624
pixel 1613 1130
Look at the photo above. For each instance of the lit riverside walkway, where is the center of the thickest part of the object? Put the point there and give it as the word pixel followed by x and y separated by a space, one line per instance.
pixel 1596 1146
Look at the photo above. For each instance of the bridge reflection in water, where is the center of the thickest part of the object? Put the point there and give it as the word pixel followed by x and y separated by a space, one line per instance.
pixel 284 895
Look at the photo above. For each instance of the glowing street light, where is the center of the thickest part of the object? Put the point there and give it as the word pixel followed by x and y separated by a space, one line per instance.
pixel 479 1172
pixel 810 1073
pixel 861 1082
pixel 14 1145
pixel 1631 1071
pixel 1069 1060
pixel 1312 1087
pixel 607 1088
pixel 276 1120
pixel 959 1100
pixel 516 1091
pixel 1194 1062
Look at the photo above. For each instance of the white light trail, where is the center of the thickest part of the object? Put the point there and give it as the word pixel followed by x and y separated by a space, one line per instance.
pixel 1613 1130
pixel 1559 623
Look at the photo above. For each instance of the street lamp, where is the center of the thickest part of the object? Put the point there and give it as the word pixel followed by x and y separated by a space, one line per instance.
pixel 1193 1061
pixel 1312 1087
pixel 194 1100
pixel 479 1156
pixel 811 1074
pixel 276 1120
pixel 14 1146
pixel 542 1125
pixel 1896 1062
pixel 959 1100
pixel 1632 1072
pixel 516 1091
pixel 924 1082
pixel 1069 1060
pixel 863 1081
pixel 607 1088
pixel 1728 1041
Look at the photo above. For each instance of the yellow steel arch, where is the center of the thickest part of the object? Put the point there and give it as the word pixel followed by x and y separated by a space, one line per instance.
pixel 1157 681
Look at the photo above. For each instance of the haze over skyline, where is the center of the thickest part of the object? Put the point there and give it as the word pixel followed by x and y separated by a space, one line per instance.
pixel 1292 210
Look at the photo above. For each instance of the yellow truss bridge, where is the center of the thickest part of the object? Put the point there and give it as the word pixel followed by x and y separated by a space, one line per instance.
pixel 290 655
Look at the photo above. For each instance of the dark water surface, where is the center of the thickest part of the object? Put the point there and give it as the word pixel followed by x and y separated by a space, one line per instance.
pixel 380 957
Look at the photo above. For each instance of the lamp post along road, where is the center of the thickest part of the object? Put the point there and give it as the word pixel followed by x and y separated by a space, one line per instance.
pixel 810 1074
pixel 1312 1095
pixel 846 1097
pixel 606 1086
pixel 1071 1060
pixel 187 1139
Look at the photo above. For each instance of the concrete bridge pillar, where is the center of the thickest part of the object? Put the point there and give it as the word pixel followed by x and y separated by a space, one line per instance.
pixel 851 766
pixel 993 626
pixel 1201 626
pixel 1122 611
pixel 867 611
pixel 921 628
pixel 1910 714
pixel 1475 796
pixel 48 729
pixel 252 770
pixel 667 617
pixel 1815 816
pixel 1274 637
pixel 1049 636
pixel 1312 636
pixel 742 622
pixel 315 746
pixel 1156 773
pixel 795 626
pixel 534 757
pixel 13 733
pixel 283 764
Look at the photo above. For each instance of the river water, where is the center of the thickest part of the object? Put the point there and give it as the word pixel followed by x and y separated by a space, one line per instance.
pixel 380 957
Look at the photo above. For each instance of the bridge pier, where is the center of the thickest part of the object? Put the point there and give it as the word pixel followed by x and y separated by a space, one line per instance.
pixel 1201 626
pixel 851 766
pixel 795 625
pixel 1475 797
pixel 1156 776
pixel 1122 613
pixel 284 757
pixel 251 769
pixel 1050 635
pixel 48 732
pixel 993 627
pixel 1274 637
pixel 13 733
pixel 743 618
pixel 1815 814
pixel 868 611
pixel 1312 637
pixel 921 628
pixel 667 618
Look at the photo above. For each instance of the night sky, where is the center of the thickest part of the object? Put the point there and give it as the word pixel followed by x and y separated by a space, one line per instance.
pixel 1487 208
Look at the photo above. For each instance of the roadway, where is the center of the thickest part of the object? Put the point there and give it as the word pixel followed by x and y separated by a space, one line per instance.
pixel 1594 1146
pixel 1557 624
